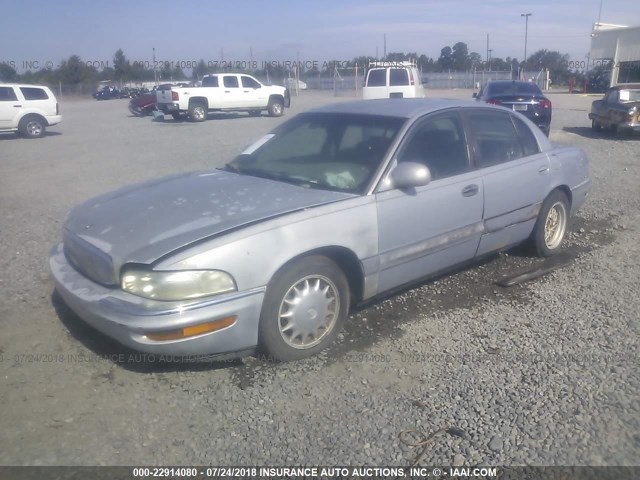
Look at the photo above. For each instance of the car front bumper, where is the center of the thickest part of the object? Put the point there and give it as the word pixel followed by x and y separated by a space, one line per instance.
pixel 128 319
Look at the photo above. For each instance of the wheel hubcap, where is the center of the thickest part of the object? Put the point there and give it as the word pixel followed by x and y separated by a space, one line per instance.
pixel 198 112
pixel 34 128
pixel 308 311
pixel 555 225
pixel 277 109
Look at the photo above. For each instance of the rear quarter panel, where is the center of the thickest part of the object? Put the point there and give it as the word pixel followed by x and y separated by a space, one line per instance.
pixel 570 168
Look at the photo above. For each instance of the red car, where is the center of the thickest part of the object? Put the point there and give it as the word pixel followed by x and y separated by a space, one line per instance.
pixel 144 104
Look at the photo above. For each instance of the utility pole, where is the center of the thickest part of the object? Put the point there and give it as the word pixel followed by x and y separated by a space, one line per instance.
pixel 384 50
pixel 526 33
pixel 490 50
pixel 155 72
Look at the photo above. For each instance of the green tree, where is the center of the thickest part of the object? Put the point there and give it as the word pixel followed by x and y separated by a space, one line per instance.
pixel 460 54
pixel 121 66
pixel 446 60
pixel 8 73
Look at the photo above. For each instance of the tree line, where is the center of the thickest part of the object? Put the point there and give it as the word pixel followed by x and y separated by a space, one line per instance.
pixel 75 75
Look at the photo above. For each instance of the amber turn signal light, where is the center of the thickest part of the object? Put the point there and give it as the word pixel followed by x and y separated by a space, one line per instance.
pixel 192 331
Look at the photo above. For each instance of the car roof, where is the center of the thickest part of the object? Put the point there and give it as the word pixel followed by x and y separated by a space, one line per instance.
pixel 514 82
pixel 396 107
pixel 22 85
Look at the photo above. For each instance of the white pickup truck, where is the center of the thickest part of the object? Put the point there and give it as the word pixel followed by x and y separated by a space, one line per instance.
pixel 223 92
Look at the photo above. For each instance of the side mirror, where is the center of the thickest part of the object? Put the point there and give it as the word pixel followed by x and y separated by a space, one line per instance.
pixel 474 95
pixel 257 87
pixel 409 175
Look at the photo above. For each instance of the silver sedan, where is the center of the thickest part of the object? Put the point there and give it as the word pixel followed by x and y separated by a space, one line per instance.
pixel 335 206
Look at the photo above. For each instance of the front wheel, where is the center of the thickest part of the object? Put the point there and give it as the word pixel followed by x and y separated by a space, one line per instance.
pixel 198 112
pixel 275 107
pixel 595 126
pixel 304 309
pixel 552 225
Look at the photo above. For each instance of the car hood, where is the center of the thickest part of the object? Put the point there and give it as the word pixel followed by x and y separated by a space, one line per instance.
pixel 144 222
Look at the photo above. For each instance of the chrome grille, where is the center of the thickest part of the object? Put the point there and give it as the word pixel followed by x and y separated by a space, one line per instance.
pixel 89 260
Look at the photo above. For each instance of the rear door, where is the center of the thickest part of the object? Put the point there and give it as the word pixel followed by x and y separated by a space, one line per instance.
pixel 515 175
pixel 400 83
pixel 10 106
pixel 376 84
pixel 232 94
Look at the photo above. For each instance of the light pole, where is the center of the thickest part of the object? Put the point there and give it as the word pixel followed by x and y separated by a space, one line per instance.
pixel 526 32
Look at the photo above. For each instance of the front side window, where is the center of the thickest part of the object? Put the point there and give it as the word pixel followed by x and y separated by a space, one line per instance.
pixel 7 94
pixel 248 82
pixel 437 141
pixel 230 81
pixel 331 151
pixel 495 136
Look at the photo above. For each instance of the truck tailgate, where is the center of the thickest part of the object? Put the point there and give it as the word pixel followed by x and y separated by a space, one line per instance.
pixel 164 96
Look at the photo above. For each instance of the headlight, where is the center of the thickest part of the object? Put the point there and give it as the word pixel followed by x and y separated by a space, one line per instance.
pixel 176 285
pixel 633 110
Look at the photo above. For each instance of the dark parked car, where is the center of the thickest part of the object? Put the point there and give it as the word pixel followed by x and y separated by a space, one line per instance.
pixel 335 206
pixel 523 97
pixel 107 93
pixel 619 110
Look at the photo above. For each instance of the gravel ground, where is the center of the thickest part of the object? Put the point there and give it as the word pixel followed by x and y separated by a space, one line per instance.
pixel 543 373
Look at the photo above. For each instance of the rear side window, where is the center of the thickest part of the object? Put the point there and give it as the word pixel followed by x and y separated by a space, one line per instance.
pixel 31 93
pixel 210 82
pixel 377 78
pixel 527 138
pixel 7 94
pixel 398 77
pixel 230 82
pixel 496 138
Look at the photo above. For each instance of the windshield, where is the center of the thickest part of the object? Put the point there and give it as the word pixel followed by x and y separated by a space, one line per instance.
pixel 331 151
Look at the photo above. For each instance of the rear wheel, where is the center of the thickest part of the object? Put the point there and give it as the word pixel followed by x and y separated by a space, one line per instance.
pixel 595 126
pixel 197 112
pixel 275 107
pixel 304 309
pixel 552 225
pixel 32 127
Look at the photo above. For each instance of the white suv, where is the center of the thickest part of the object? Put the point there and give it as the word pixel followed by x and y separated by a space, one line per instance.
pixel 393 80
pixel 27 109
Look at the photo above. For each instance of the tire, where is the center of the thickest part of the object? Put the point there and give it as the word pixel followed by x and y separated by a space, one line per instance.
pixel 275 107
pixel 176 116
pixel 255 113
pixel 595 126
pixel 552 225
pixel 197 112
pixel 32 126
pixel 322 296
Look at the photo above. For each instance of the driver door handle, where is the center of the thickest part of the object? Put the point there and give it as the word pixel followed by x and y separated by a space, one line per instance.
pixel 470 190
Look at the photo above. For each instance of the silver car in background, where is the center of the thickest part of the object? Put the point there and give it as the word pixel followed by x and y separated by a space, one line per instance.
pixel 335 206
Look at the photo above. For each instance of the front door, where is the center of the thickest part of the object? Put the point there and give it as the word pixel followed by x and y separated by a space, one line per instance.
pixel 429 228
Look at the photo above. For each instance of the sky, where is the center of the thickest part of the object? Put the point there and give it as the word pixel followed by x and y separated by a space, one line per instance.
pixel 44 32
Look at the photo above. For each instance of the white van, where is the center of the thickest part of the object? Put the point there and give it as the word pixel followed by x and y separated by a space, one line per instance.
pixel 393 80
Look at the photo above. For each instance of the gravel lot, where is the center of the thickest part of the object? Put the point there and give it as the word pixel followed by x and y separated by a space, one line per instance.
pixel 544 373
